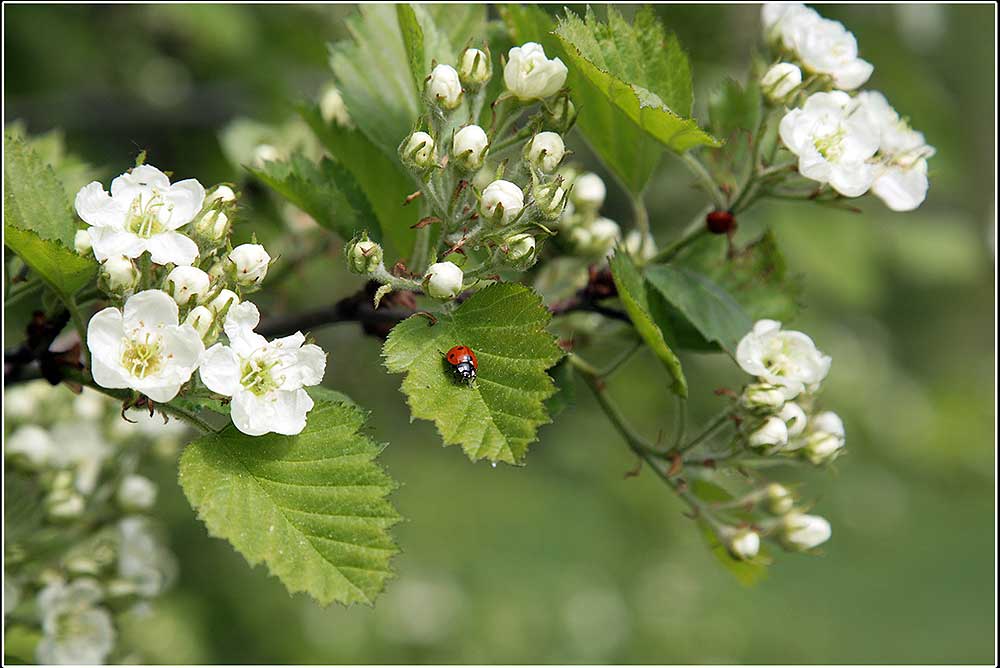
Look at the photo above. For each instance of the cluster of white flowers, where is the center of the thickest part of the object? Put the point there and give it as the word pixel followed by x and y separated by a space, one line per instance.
pixel 854 143
pixel 187 293
pixel 68 453
pixel 587 233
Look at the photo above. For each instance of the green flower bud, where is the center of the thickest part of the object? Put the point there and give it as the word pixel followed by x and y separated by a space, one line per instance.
pixel 521 251
pixel 363 255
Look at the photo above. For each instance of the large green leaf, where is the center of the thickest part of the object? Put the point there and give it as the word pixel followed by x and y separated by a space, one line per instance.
pixel 33 198
pixel 413 42
pixel 632 292
pixel 705 305
pixel 374 76
pixel 498 415
pixel 381 178
pixel 63 269
pixel 755 276
pixel 313 507
pixel 326 191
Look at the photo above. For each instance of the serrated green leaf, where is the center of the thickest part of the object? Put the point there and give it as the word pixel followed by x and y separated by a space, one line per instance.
pixel 413 42
pixel 374 77
pixel 312 507
pixel 326 191
pixel 705 305
pixel 632 292
pixel 64 270
pixel 497 416
pixel 381 178
pixel 756 276
pixel 33 198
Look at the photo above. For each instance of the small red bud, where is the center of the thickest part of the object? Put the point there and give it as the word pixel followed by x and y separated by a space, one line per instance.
pixel 720 222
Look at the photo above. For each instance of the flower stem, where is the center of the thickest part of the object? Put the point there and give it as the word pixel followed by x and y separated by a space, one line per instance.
pixel 718 421
pixel 706 180
pixel 694 231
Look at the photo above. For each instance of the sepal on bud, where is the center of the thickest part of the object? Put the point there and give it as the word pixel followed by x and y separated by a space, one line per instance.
pixel 201 318
pixel 521 251
pixel 779 82
pixel 551 199
pixel 475 68
pixel 444 87
pixel 418 151
pixel 363 255
pixel 762 397
pixel 545 151
pixel 469 147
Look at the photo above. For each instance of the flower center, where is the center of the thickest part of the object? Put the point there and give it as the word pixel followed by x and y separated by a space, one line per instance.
pixel 830 145
pixel 143 356
pixel 257 376
pixel 144 218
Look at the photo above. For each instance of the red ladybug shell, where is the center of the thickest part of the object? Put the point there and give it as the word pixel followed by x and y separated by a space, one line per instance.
pixel 460 354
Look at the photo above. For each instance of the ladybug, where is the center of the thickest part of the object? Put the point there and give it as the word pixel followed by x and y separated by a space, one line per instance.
pixel 463 363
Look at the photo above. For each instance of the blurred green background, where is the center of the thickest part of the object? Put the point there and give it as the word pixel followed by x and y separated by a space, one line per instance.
pixel 564 560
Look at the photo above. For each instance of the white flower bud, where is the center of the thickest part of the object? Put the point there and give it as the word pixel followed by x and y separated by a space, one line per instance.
pixel 606 234
pixel 550 199
pixel 772 433
pixel 763 397
pixel 778 499
pixel 363 256
pixel 418 151
pixel 222 193
pixel 468 149
pixel 443 281
pixel 529 75
pixel 82 242
pixel 588 192
pixel 794 417
pixel 639 247
pixel 119 275
pixel 501 202
pixel 560 113
pixel 250 262
pixel 444 87
pixel 222 302
pixel 186 284
pixel 779 81
pixel 136 493
pixel 213 225
pixel 546 151
pixel 826 438
pixel 202 319
pixel 475 68
pixel 744 544
pixel 265 153
pixel 332 108
pixel 804 532
pixel 520 250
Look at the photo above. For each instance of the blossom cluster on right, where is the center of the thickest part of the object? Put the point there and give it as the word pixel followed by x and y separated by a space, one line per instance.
pixel 855 143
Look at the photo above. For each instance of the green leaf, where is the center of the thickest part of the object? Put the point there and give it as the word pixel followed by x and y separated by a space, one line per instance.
pixel 381 178
pixel 498 415
pixel 755 276
pixel 565 396
pixel 413 42
pixel 709 308
pixel 33 198
pixel 64 270
pixel 636 75
pixel 374 76
pixel 733 108
pixel 457 26
pixel 312 507
pixel 326 191
pixel 632 292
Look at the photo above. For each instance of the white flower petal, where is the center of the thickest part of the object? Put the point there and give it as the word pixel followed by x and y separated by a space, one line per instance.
pixel 112 242
pixel 104 333
pixel 183 200
pixel 220 370
pixel 184 348
pixel 150 309
pixel 140 181
pixel 154 390
pixel 95 206
pixel 172 247
pixel 902 189
pixel 280 412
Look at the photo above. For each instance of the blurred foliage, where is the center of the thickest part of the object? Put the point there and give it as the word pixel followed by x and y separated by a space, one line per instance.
pixel 564 560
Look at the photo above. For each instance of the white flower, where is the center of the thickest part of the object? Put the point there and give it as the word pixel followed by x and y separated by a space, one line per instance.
pixel 142 559
pixel 443 280
pixel 826 437
pixel 82 243
pixel 529 75
pixel 804 532
pixel 744 544
pixel 418 150
pixel 772 433
pixel 264 378
pixel 827 47
pixel 604 234
pixel 31 442
pixel 588 192
pixel 75 630
pixel 82 448
pixel 783 358
pixel 332 108
pixel 778 498
pixel 783 21
pixel 186 284
pixel 502 201
pixel 794 417
pixel 780 80
pixel 142 213
pixel 640 247
pixel 136 492
pixel 903 187
pixel 475 68
pixel 119 275
pixel 222 193
pixel 444 87
pixel 469 147
pixel 833 143
pixel 251 262
pixel 143 348
pixel 546 151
